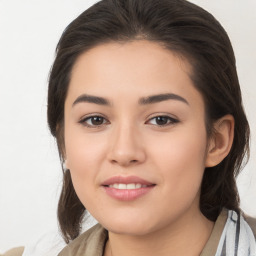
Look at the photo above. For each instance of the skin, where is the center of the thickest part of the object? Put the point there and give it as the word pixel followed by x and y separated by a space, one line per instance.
pixel 130 141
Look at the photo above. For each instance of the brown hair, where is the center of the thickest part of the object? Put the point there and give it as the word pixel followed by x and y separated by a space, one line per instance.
pixel 185 29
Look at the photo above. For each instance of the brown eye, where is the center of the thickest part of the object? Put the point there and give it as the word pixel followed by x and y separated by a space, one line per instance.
pixel 93 121
pixel 97 120
pixel 162 120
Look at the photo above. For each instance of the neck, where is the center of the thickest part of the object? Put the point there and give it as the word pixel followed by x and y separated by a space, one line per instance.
pixel 187 236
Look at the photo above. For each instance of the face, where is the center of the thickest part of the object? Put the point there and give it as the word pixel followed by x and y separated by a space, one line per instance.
pixel 135 136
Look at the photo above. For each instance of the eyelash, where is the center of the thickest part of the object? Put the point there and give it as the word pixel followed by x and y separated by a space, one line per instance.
pixel 86 119
pixel 168 119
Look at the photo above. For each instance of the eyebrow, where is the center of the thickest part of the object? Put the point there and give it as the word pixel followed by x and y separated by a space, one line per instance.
pixel 142 101
pixel 91 99
pixel 161 97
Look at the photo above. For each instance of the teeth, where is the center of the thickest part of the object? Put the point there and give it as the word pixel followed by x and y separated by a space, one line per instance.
pixel 130 186
pixel 138 186
pixel 122 186
pixel 116 185
pixel 127 186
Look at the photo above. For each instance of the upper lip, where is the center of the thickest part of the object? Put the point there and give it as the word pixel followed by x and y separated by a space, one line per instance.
pixel 126 180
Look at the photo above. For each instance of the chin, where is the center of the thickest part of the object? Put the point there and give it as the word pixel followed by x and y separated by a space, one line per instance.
pixel 128 230
pixel 128 226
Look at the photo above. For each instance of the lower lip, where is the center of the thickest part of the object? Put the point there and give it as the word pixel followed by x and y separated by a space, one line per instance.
pixel 127 194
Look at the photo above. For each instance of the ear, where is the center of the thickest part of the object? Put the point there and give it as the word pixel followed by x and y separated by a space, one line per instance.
pixel 220 141
pixel 66 165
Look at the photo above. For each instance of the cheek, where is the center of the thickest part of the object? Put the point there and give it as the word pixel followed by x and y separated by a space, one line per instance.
pixel 83 173
pixel 84 156
pixel 181 160
pixel 83 150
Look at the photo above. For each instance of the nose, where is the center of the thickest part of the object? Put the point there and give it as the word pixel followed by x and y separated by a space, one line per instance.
pixel 126 147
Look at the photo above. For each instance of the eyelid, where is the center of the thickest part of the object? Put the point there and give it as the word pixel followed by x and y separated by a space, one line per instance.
pixel 172 120
pixel 83 120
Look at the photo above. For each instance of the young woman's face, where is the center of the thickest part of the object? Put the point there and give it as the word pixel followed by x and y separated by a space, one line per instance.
pixel 135 136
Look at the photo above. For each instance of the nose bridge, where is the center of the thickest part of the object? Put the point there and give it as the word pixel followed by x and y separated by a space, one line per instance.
pixel 126 145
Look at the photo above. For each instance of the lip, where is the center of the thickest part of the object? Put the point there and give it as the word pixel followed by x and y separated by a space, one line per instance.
pixel 127 194
pixel 126 180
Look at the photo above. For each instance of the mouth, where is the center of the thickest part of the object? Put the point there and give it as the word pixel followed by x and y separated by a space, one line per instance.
pixel 127 188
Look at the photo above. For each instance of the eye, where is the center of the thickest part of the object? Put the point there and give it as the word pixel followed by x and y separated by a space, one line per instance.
pixel 93 121
pixel 162 120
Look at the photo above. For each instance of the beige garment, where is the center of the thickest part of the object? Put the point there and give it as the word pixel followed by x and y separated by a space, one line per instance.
pixel 252 223
pixel 92 242
pixel 213 241
pixel 18 251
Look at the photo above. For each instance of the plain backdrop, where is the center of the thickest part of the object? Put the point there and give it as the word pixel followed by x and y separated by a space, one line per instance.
pixel 30 173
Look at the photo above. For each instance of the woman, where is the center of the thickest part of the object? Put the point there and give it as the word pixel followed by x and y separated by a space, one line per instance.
pixel 145 104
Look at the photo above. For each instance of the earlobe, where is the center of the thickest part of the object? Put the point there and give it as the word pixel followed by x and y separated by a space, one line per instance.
pixel 220 141
pixel 65 164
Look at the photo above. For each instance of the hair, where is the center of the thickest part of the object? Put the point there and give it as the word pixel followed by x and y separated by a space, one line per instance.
pixel 193 34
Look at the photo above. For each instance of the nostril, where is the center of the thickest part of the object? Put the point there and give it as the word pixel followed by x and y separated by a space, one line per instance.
pixel 124 162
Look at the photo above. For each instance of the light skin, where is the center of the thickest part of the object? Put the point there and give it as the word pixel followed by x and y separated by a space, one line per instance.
pixel 149 122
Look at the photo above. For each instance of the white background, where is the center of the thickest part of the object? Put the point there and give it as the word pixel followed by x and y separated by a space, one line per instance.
pixel 30 173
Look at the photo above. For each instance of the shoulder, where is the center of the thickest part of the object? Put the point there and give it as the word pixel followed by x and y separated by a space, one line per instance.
pixel 251 222
pixel 91 242
pixel 18 251
pixel 238 235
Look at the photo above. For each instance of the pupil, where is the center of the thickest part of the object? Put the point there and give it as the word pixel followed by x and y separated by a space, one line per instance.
pixel 161 120
pixel 97 120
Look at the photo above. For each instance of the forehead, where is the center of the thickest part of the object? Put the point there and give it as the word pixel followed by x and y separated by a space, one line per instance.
pixel 130 53
pixel 139 67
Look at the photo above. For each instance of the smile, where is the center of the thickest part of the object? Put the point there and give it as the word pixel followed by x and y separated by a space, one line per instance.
pixel 127 186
